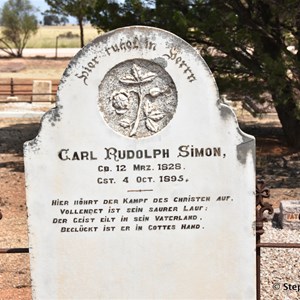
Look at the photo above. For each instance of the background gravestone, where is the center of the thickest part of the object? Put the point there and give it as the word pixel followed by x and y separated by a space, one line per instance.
pixel 40 87
pixel 289 215
pixel 140 184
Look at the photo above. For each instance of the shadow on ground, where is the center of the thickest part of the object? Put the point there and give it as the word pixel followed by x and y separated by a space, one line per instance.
pixel 276 163
pixel 13 137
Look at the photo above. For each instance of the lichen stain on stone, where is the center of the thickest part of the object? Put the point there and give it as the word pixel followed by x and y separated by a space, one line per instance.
pixel 68 72
pixel 225 111
pixel 54 115
pixel 161 61
pixel 73 65
pixel 33 145
pixel 248 142
pixel 246 146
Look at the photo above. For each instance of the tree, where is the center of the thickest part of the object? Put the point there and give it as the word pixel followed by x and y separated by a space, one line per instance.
pixel 19 24
pixel 250 45
pixel 256 38
pixel 107 15
pixel 63 20
pixel 50 20
pixel 172 16
pixel 74 8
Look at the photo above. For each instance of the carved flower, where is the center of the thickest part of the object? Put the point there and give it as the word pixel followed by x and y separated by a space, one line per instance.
pixel 120 101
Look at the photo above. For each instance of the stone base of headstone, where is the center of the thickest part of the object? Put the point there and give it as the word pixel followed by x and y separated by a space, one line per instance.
pixel 289 216
pixel 40 87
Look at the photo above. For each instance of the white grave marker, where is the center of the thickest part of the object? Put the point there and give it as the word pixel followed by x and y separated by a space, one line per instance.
pixel 40 87
pixel 289 215
pixel 140 184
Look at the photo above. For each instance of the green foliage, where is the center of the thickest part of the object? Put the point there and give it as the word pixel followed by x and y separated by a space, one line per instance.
pixel 253 38
pixel 74 8
pixel 107 15
pixel 51 20
pixel 166 14
pixel 19 23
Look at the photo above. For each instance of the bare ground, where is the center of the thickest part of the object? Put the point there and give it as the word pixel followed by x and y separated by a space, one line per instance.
pixel 277 164
pixel 33 68
pixel 14 268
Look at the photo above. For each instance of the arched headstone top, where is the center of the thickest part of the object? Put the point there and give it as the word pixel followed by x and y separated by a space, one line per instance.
pixel 141 81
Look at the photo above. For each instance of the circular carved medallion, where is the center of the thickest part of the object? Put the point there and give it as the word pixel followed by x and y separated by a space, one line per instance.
pixel 137 98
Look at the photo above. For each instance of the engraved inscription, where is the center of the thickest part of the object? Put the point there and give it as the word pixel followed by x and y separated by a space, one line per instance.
pixel 131 44
pixel 181 63
pixel 137 98
pixel 86 70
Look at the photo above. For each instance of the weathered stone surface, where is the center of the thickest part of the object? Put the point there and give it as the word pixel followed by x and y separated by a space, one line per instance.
pixel 140 184
pixel 289 215
pixel 40 87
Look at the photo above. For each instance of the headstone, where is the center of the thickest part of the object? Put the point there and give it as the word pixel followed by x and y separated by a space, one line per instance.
pixel 40 87
pixel 289 215
pixel 12 98
pixel 140 184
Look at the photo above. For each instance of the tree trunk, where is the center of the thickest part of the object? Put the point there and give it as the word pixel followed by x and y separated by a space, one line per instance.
pixel 19 53
pixel 80 23
pixel 289 116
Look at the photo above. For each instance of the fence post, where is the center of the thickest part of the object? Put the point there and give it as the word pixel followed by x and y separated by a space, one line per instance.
pixel 12 87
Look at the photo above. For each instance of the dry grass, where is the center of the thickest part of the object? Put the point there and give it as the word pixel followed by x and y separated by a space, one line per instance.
pixel 46 36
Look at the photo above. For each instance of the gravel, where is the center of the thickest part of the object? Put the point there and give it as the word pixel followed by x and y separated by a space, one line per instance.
pixel 280 272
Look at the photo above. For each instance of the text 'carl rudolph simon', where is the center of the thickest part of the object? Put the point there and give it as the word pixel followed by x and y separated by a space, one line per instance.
pixel 112 153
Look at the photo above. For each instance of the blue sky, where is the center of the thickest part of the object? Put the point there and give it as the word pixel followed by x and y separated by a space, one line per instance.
pixel 41 5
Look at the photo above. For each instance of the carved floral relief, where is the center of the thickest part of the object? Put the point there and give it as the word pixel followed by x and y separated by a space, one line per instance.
pixel 137 98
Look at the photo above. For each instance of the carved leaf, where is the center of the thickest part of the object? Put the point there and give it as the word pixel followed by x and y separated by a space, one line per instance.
pixel 136 76
pixel 128 78
pixel 156 115
pixel 125 123
pixel 136 72
pixel 151 125
pixel 148 77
